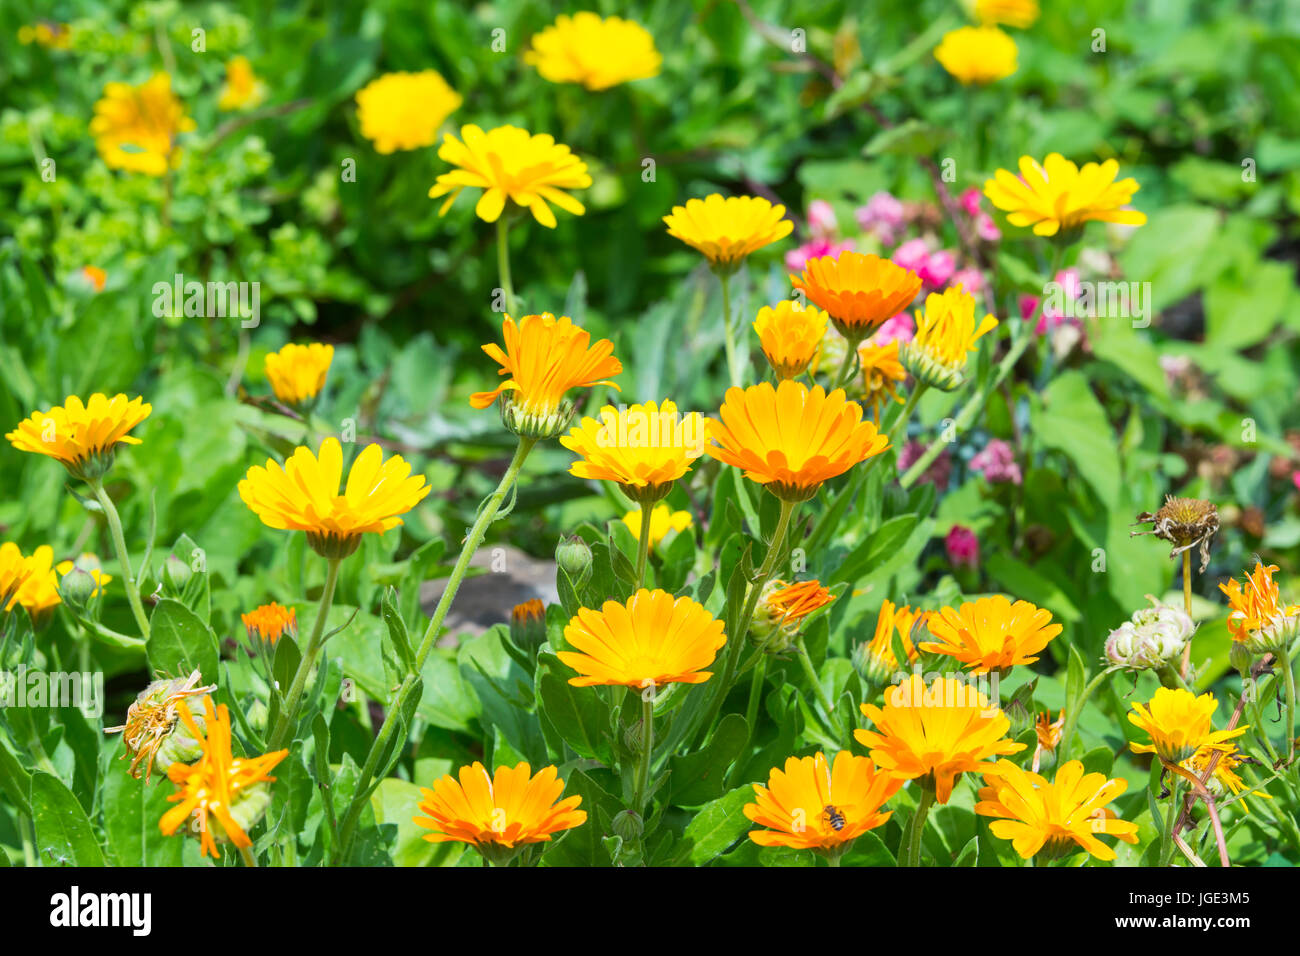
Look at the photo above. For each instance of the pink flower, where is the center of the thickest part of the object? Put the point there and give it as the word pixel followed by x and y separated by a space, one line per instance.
pixel 821 220
pixel 962 546
pixel 901 328
pixel 938 269
pixel 883 215
pixel 1051 317
pixel 997 463
pixel 986 228
pixel 970 201
pixel 913 254
pixel 795 259
pixel 971 280
pixel 1295 478
pixel 938 472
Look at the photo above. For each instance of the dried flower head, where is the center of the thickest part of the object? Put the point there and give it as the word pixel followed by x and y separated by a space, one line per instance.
pixel 1185 523
pixel 152 721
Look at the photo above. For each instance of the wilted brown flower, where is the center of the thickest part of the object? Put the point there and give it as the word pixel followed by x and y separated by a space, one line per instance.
pixel 1185 523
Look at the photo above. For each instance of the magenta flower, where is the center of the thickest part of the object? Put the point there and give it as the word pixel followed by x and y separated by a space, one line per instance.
pixel 883 215
pixel 962 546
pixel 821 220
pixel 939 471
pixel 913 254
pixel 971 280
pixel 795 259
pixel 901 328
pixel 997 463
pixel 938 269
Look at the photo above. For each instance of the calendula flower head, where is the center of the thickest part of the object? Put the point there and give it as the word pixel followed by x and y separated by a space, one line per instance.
pixel 499 813
pixel 135 127
pixel 1055 819
pixel 598 53
pixel 977 55
pixel 82 436
pixel 1259 620
pixel 662 520
pixel 510 163
pixel 297 372
pixel 81 580
pixel 1225 780
pixel 781 610
pixel 820 805
pixel 859 291
pixel 268 623
pixel 1152 638
pixel 153 733
pixel 946 331
pixel 1059 197
pixel 1185 523
pixel 644 448
pixel 303 495
pixel 1179 724
pixel 46 33
pixel 651 640
pixel 14 570
pixel 1012 13
pixel 875 659
pixel 223 795
pixel 528 625
pixel 792 438
pixel 991 633
pixel 790 335
pixel 936 734
pixel 242 90
pixel 544 358
pixel 727 230
pixel 405 110
pixel 882 373
pixel 1048 732
pixel 38 594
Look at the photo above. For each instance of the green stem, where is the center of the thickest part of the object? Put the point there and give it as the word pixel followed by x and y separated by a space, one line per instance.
pixel 119 545
pixel 1288 675
pixel 734 369
pixel 27 829
pixel 247 855
pixel 647 749
pixel 1071 719
pixel 900 426
pixel 847 367
pixel 1187 606
pixel 916 828
pixel 289 715
pixel 1167 844
pixel 503 262
pixel 755 692
pixel 811 674
pixel 643 548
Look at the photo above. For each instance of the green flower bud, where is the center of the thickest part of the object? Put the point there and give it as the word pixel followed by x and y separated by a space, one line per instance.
pixel 573 555
pixel 176 574
pixel 628 825
pixel 76 588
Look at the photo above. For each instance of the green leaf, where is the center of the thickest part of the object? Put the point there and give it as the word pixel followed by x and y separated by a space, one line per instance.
pixel 14 780
pixel 1069 419
pixel 397 634
pixel 717 825
pixel 132 810
pixel 179 642
pixel 912 137
pixel 64 836
pixel 698 777
pixel 578 714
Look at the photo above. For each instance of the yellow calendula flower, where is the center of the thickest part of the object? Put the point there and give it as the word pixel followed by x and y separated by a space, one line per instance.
pixel 991 634
pixel 859 291
pixel 727 230
pixel 790 334
pixel 644 448
pixel 242 90
pixel 83 436
pixel 39 593
pixel 1021 14
pixel 820 805
pixel 405 110
pixel 882 373
pixel 14 570
pixel 662 520
pixel 153 733
pixel 1179 724
pixel 304 495
pixel 937 733
pixel 544 358
pixel 1259 620
pixel 297 372
pixel 510 163
pixel 651 640
pixel 270 622
pixel 977 55
pixel 1225 779
pixel 946 332
pixel 498 813
pixel 135 127
pixel 46 33
pixel 225 795
pixel 1053 819
pixel 1058 196
pixel 792 438
pixel 875 659
pixel 598 53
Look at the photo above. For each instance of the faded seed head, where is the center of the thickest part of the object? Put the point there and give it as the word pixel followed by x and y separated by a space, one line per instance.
pixel 1185 523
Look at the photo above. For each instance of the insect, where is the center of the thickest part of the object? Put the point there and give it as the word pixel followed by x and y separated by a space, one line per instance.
pixel 832 815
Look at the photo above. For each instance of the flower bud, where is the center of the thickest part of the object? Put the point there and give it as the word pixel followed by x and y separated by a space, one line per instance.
pixel 175 574
pixel 628 825
pixel 528 625
pixel 573 555
pixel 1152 638
pixel 76 588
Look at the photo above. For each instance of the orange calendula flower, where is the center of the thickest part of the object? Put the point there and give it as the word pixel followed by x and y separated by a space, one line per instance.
pixel 242 90
pixel 96 276
pixel 644 448
pixel 790 335
pixel 1259 620
pixel 652 640
pixel 304 495
pixel 544 358
pixel 135 127
pixel 14 570
pixel 405 110
pixel 269 622
pixel 598 53
pixel 781 610
pixel 946 331
pixel 297 372
pixel 859 291
pixel 882 373
pixel 1059 196
pixel 991 634
pixel 153 733
pixel 511 163
pixel 662 520
pixel 83 436
pixel 936 733
pixel 1057 818
pixel 1225 779
pixel 818 805
pixel 977 55
pixel 792 438
pixel 500 813
pixel 1048 732
pixel 1179 724
pixel 875 659
pixel 225 795
pixel 727 230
